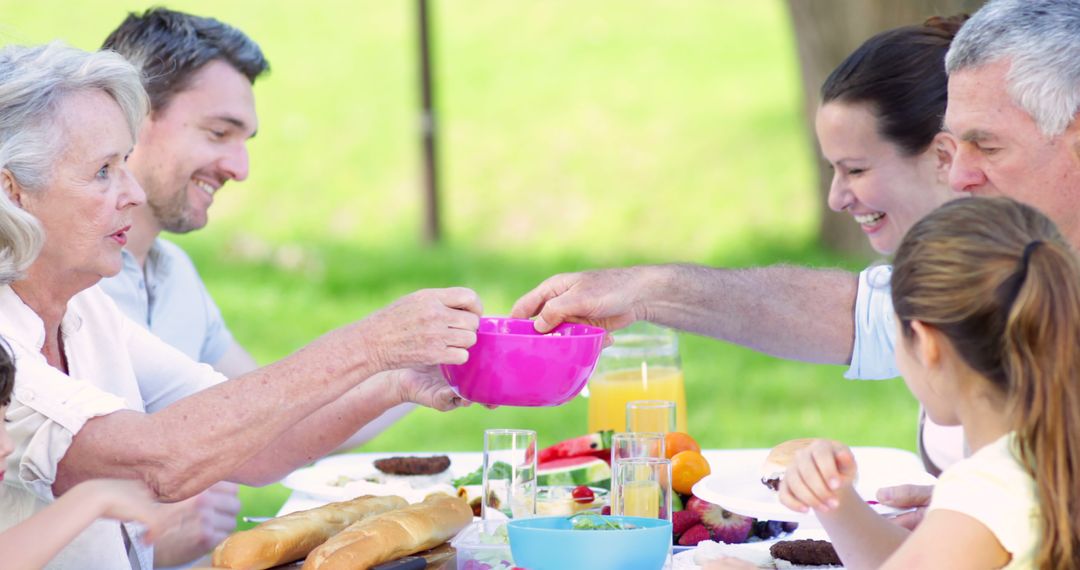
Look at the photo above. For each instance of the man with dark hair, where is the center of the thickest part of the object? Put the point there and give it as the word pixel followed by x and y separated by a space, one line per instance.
pixel 199 74
pixel 171 47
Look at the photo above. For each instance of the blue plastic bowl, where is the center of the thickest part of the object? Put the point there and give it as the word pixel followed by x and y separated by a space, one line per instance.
pixel 549 543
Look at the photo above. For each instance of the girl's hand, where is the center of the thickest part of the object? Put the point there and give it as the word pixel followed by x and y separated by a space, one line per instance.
pixel 128 500
pixel 815 475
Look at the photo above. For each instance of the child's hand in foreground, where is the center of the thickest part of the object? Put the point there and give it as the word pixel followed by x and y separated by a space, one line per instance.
pixel 816 474
pixel 126 500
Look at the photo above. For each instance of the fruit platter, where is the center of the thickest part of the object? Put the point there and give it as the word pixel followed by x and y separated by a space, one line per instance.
pixel 584 461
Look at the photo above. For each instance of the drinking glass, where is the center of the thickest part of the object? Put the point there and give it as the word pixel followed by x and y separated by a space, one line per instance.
pixel 642 364
pixel 509 474
pixel 651 416
pixel 634 444
pixel 637 444
pixel 641 487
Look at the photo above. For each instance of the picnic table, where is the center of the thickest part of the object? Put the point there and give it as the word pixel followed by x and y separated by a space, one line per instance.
pixel 734 476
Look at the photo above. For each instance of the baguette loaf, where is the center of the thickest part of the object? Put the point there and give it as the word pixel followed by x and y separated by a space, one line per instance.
pixel 293 536
pixel 392 535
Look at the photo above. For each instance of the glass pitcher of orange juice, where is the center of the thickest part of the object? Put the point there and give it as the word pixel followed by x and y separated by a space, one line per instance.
pixel 643 364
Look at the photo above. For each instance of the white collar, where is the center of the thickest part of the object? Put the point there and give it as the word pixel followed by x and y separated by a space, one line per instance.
pixel 20 323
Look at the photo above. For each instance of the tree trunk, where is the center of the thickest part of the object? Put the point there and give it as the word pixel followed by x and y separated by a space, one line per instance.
pixel 826 31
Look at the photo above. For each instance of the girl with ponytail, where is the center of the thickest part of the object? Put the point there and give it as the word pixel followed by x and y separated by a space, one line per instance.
pixel 987 300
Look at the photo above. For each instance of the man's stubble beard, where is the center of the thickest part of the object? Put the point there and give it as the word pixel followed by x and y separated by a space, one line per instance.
pixel 173 214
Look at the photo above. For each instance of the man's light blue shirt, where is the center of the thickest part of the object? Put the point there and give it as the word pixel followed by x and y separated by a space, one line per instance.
pixel 170 299
pixel 873 356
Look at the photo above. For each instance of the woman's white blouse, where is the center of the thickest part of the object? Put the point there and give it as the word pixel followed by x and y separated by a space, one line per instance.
pixel 114 364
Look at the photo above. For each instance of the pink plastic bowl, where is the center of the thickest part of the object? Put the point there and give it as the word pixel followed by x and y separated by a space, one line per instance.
pixel 513 365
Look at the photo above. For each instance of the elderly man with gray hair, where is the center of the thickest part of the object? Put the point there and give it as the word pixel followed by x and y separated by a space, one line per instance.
pixel 1014 94
pixel 91 395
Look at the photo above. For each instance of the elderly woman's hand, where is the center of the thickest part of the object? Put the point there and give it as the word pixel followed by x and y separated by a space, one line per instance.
pixel 428 327
pixel 427 387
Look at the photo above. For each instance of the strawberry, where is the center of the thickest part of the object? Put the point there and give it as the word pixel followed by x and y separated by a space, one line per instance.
pixel 682 520
pixel 694 535
pixel 583 495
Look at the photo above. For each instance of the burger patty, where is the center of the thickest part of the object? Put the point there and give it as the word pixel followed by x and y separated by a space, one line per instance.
pixel 413 465
pixel 772 483
pixel 805 552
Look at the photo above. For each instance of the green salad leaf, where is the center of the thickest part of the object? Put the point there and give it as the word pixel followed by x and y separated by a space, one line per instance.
pixel 499 470
pixel 597 522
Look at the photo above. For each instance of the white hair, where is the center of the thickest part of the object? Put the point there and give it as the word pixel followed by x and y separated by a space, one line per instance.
pixel 33 83
pixel 1041 41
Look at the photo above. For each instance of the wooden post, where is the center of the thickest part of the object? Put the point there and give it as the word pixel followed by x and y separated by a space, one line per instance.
pixel 432 230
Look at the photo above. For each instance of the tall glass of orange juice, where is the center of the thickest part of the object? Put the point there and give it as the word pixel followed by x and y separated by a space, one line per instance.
pixel 643 364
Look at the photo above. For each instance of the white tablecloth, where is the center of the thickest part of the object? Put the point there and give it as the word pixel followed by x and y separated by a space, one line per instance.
pixel 465 462
pixel 748 460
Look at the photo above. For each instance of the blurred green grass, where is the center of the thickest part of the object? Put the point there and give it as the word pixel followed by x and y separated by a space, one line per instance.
pixel 574 135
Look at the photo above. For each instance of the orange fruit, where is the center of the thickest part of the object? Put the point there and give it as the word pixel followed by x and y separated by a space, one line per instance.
pixel 687 468
pixel 677 441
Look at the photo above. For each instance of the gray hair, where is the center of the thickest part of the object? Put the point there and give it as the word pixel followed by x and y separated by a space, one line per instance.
pixel 1041 40
pixel 33 83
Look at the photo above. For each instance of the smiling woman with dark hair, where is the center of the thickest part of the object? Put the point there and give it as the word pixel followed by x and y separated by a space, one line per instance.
pixel 879 128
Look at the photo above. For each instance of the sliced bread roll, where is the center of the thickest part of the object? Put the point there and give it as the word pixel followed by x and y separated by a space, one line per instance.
pixel 293 536
pixel 392 535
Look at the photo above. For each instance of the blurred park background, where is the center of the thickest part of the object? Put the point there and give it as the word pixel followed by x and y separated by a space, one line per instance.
pixel 573 135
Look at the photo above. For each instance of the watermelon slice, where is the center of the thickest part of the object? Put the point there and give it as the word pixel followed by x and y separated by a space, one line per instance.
pixel 573 471
pixel 596 444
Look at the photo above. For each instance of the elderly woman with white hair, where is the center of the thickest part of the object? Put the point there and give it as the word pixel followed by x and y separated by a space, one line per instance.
pixel 83 405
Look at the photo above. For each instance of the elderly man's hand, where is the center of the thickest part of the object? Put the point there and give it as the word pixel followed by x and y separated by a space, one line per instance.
pixel 607 298
pixel 431 326
pixel 425 386
pixel 201 522
pixel 907 497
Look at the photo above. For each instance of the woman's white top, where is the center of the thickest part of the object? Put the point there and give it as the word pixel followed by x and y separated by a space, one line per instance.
pixel 114 365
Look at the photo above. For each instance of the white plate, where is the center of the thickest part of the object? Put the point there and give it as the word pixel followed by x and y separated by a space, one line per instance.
pixel 319 480
pixel 750 551
pixel 736 485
